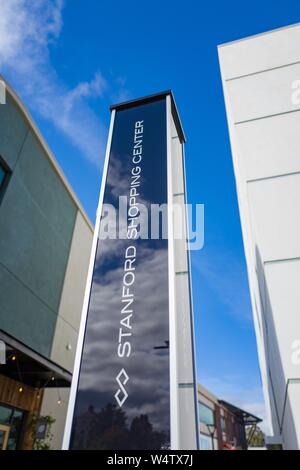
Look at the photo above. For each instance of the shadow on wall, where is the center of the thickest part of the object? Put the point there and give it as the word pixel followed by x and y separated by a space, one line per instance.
pixel 277 380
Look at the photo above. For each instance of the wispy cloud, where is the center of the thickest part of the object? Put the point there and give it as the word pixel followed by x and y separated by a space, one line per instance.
pixel 27 31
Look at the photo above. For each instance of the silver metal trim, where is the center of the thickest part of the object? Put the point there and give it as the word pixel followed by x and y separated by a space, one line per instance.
pixel 193 340
pixel 174 414
pixel 258 35
pixel 80 340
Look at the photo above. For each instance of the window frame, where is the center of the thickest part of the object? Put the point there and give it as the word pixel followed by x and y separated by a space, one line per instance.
pixel 213 423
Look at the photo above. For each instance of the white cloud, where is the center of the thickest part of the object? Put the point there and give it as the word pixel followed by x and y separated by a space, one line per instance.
pixel 85 89
pixel 27 29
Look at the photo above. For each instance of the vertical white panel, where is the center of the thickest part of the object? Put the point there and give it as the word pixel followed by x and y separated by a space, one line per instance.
pixel 265 150
pixel 172 312
pixel 188 425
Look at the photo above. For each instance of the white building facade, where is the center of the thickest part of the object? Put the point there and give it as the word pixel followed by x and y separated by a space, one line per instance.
pixel 261 80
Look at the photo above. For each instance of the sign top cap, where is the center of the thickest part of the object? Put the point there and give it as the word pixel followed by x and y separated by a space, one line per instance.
pixel 152 98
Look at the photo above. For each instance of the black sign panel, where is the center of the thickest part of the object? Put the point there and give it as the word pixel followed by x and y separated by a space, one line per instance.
pixel 123 396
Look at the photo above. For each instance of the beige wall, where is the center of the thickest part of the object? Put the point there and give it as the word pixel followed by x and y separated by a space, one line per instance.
pixel 67 326
pixel 72 295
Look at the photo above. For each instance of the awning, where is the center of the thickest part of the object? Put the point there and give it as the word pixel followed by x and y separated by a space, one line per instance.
pixel 248 419
pixel 29 367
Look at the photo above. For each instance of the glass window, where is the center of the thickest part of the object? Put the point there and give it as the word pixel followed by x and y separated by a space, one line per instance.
pixel 223 423
pixel 13 419
pixel 223 427
pixel 205 442
pixel 206 414
pixel 5 414
pixel 15 430
pixel 2 175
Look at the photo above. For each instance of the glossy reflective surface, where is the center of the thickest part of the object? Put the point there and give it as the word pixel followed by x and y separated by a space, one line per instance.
pixel 12 419
pixel 123 393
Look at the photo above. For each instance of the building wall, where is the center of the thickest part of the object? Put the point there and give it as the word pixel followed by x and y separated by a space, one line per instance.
pixel 55 401
pixel 187 407
pixel 37 219
pixel 69 312
pixel 258 77
pixel 45 243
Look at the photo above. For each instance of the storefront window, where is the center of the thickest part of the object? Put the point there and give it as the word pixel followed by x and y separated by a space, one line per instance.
pixel 12 420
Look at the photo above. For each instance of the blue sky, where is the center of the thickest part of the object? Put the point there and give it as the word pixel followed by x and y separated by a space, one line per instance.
pixel 70 60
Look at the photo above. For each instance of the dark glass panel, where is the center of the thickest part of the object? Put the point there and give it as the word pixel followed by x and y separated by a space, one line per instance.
pixel 5 414
pixel 142 421
pixel 2 175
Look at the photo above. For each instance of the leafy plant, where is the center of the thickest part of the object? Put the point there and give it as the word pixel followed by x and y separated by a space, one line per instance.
pixel 257 438
pixel 45 443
